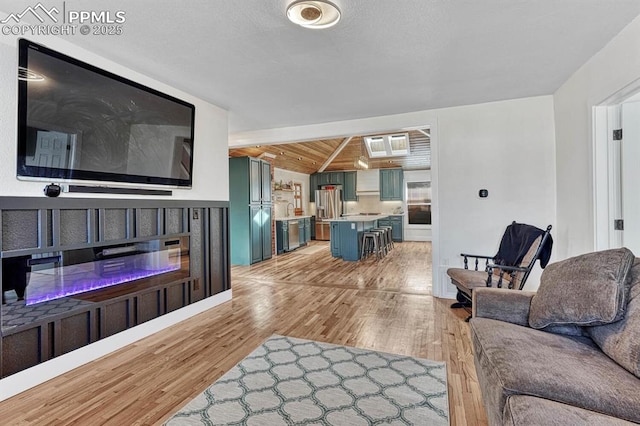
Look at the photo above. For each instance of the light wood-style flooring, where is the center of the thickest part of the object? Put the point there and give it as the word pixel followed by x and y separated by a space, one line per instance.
pixel 384 305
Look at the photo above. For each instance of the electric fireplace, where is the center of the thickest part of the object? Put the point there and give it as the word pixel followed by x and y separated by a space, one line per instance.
pixel 48 276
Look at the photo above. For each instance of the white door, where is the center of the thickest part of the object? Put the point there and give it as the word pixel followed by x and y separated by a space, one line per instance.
pixel 630 172
pixel 52 150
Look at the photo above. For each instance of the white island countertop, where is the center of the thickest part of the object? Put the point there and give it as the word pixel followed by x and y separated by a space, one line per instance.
pixel 292 217
pixel 358 218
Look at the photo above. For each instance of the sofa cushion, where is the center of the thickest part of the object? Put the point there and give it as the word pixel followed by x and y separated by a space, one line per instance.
pixel 583 290
pixel 511 359
pixel 621 340
pixel 523 410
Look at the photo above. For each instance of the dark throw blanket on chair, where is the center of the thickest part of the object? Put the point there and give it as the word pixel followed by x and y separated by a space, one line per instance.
pixel 517 240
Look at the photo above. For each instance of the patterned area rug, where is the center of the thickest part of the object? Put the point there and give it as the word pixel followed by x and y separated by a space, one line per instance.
pixel 293 381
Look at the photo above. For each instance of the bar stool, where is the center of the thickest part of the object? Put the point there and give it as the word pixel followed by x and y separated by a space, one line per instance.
pixel 371 243
pixel 384 239
pixel 388 237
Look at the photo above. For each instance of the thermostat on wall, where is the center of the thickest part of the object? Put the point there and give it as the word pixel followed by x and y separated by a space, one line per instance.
pixel 483 193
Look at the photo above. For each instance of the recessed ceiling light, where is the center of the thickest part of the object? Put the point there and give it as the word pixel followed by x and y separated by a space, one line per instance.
pixel 313 13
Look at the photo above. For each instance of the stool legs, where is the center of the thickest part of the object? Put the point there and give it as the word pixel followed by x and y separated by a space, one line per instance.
pixel 372 243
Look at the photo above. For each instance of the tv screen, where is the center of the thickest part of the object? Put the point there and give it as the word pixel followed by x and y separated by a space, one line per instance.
pixel 77 121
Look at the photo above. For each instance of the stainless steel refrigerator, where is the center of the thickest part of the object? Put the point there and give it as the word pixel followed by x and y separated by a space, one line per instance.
pixel 328 206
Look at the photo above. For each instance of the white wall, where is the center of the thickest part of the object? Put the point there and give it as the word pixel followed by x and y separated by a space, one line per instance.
pixel 506 147
pixel 614 67
pixel 210 139
pixel 282 199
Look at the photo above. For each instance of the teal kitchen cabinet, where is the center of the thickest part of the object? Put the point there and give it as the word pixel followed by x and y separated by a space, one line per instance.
pixel 397 227
pixel 391 185
pixel 260 234
pixel 336 178
pixel 307 229
pixel 313 185
pixel 329 178
pixel 250 210
pixel 335 239
pixel 301 238
pixel 349 188
pixel 282 236
pixel 324 178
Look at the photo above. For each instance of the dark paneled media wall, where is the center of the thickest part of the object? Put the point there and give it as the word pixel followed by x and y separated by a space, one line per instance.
pixel 36 230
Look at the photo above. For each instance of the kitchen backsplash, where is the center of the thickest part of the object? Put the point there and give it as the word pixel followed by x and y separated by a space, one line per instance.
pixel 372 204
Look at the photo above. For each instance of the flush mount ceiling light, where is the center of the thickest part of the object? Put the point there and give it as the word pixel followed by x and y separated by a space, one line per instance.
pixel 313 13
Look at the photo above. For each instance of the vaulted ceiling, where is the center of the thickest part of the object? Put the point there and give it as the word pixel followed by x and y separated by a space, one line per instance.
pixel 309 157
pixel 384 56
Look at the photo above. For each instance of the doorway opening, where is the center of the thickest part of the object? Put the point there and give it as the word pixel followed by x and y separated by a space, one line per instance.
pixel 616 156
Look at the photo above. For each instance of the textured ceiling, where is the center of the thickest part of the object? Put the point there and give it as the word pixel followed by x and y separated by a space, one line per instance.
pixel 384 56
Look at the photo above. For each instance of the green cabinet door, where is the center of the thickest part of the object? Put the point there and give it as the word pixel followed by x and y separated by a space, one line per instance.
pixel 301 240
pixel 336 178
pixel 307 229
pixel 255 181
pixel 256 233
pixel 265 179
pixel 260 233
pixel 313 185
pixel 396 228
pixel 324 178
pixel 282 236
pixel 349 188
pixel 391 185
pixel 335 239
pixel 259 181
pixel 267 239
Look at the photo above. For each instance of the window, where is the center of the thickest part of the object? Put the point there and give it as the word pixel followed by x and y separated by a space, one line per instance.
pixel 419 203
pixel 396 145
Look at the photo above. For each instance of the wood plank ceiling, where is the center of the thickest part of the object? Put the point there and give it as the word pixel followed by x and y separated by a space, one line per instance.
pixel 308 157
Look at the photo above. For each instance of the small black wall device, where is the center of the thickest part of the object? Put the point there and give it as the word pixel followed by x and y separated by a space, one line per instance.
pixel 52 190
pixel 483 193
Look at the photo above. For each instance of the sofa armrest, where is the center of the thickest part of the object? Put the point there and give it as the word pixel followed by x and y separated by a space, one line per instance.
pixel 502 304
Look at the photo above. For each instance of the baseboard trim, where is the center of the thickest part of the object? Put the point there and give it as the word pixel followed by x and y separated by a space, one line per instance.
pixel 36 375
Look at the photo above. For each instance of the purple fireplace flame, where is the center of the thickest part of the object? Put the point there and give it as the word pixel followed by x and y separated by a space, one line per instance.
pixel 57 282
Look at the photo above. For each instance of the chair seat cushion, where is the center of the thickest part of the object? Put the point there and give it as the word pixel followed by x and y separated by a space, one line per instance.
pixel 522 410
pixel 511 359
pixel 468 279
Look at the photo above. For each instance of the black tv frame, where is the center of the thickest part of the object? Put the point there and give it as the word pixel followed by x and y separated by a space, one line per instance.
pixel 51 174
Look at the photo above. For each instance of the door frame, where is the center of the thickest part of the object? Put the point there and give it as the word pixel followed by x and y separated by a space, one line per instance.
pixel 606 117
pixel 371 125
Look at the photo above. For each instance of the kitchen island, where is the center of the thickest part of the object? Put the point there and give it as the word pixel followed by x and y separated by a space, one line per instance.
pixel 346 234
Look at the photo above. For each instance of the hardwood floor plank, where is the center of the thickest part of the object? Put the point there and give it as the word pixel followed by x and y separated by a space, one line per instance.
pixel 385 306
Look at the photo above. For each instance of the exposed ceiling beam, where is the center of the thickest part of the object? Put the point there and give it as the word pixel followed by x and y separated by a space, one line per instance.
pixel 335 154
pixel 425 133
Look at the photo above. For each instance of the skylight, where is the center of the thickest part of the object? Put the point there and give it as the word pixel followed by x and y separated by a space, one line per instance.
pixel 394 145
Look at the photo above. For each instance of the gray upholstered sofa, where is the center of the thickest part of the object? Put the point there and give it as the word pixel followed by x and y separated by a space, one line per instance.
pixel 568 354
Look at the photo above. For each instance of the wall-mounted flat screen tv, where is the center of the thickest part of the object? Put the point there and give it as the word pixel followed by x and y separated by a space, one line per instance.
pixel 79 122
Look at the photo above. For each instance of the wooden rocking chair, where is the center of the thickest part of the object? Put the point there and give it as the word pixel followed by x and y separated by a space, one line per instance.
pixel 520 247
